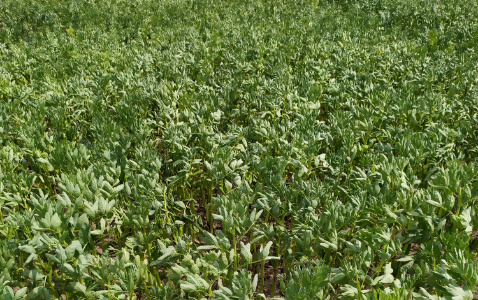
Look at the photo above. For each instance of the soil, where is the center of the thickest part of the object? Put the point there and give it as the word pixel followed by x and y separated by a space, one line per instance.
pixel 109 240
pixel 269 282
pixel 201 211
pixel 414 248
pixel 475 235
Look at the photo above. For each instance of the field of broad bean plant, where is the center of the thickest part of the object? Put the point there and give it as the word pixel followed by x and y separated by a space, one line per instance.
pixel 254 149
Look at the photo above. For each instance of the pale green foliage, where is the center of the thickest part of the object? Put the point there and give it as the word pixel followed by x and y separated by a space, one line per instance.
pixel 198 149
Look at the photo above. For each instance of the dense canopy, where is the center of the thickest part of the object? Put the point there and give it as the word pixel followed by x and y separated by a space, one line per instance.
pixel 200 149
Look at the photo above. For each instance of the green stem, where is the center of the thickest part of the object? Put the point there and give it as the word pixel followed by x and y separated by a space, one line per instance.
pixel 235 247
pixel 263 263
pixel 203 196
pixel 359 288
pixel 192 207
pixel 166 207
pixel 50 283
pixel 145 288
pixel 276 265
pixel 209 200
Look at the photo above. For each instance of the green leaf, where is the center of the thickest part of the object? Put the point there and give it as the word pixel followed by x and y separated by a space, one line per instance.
pixel 388 278
pixel 246 252
pixel 27 249
pixel 210 239
pixel 8 293
pixel 74 247
pixel 406 258
pixel 64 199
pixel 194 283
pixel 459 293
pixel 35 275
pixel 83 220
pixel 61 254
pixel 264 252
pixel 84 234
pixel 349 291
pixel 21 292
pixel 188 287
pixel 39 293
pixel 78 287
pixel 55 221
pixel 31 258
pixel 228 185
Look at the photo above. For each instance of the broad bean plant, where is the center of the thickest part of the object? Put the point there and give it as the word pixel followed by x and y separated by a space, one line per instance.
pixel 253 149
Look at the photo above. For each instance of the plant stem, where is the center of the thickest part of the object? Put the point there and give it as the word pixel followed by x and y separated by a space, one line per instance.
pixel 235 247
pixel 263 263
pixel 276 265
